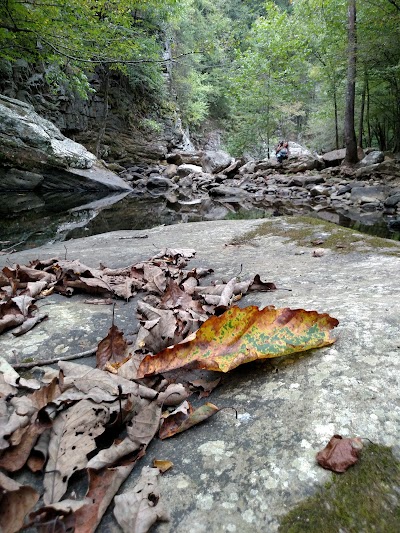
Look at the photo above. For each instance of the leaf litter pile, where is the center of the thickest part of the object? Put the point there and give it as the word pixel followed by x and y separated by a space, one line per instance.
pixel 100 421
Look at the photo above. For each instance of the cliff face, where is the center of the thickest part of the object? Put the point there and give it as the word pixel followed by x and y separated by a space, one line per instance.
pixel 114 122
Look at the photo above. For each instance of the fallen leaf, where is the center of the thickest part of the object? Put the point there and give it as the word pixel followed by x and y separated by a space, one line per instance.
pixel 176 423
pixel 103 485
pixel 58 517
pixel 162 465
pixel 243 335
pixel 72 438
pixel 16 502
pixel 137 510
pixel 340 453
pixel 207 386
pixel 29 324
pixel 113 348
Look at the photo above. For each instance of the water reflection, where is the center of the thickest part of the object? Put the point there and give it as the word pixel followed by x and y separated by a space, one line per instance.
pixel 29 219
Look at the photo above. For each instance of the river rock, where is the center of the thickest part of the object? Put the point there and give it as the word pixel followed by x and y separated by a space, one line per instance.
pixel 215 161
pixel 372 158
pixel 334 158
pixel 186 169
pixel 159 183
pixel 229 193
pixel 363 195
pixel 392 200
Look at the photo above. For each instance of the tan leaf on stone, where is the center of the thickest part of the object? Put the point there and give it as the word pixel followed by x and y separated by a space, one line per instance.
pixel 73 437
pixel 137 510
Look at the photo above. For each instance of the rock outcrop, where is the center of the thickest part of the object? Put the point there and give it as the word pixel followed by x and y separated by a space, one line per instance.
pixel 34 154
pixel 366 194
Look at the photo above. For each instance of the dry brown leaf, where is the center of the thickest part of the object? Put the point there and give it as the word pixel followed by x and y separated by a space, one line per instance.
pixel 16 502
pixel 103 485
pixel 141 430
pixel 5 388
pixel 129 369
pixel 15 457
pixel 339 454
pixel 158 331
pixel 14 415
pixel 88 380
pixel 72 438
pixel 36 287
pixel 113 348
pixel 137 510
pixel 29 324
pixel 173 395
pixel 58 517
pixel 39 452
pixel 11 376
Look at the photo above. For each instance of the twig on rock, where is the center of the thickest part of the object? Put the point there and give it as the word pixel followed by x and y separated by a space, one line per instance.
pixel 55 360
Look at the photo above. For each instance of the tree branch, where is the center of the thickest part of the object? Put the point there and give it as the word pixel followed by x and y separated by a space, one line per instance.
pixel 113 61
pixel 395 4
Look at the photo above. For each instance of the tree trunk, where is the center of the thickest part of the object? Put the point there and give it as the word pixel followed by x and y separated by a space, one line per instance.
pixel 336 115
pixel 361 124
pixel 102 130
pixel 349 131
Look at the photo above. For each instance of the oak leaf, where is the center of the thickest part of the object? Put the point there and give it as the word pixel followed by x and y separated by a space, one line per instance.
pixel 243 335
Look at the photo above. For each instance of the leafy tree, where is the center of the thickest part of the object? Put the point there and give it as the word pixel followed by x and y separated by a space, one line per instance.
pixel 77 35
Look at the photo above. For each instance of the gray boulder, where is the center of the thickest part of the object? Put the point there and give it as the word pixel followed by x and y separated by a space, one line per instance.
pixel 186 169
pixel 334 158
pixel 372 158
pixel 215 161
pixel 34 145
pixel 363 195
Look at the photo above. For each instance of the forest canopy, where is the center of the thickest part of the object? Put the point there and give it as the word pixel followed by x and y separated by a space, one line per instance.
pixel 256 70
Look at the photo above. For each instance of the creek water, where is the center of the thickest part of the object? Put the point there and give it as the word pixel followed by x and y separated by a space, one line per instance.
pixel 29 220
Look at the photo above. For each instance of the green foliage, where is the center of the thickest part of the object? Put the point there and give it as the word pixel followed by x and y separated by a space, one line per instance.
pixel 75 36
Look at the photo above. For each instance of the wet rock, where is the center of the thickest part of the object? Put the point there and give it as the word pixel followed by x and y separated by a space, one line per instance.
pixel 185 158
pixel 233 168
pixel 318 190
pixel 303 163
pixel 14 179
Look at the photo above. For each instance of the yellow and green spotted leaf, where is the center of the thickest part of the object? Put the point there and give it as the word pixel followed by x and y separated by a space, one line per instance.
pixel 243 335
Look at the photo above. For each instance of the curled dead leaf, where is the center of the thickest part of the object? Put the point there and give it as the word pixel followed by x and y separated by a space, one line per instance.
pixel 340 453
pixel 179 421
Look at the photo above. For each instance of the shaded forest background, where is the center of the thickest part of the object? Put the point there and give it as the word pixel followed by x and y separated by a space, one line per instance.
pixel 251 70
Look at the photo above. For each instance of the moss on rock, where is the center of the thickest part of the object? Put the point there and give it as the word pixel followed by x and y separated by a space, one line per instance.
pixel 366 498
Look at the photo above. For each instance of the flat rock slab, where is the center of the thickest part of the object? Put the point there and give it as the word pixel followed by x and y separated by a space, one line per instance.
pixel 242 475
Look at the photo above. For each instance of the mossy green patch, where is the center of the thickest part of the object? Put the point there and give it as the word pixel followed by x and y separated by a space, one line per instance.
pixel 365 498
pixel 313 232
